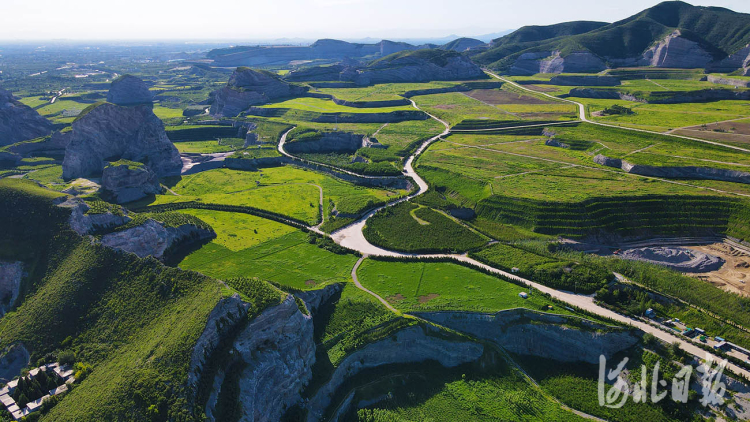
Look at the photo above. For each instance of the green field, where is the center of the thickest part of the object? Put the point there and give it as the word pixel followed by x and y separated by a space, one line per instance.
pixel 287 259
pixel 285 190
pixel 208 147
pixel 429 286
pixel 413 228
pixel 320 105
pixel 237 231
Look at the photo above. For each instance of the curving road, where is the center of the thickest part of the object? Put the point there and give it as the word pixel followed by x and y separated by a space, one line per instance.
pixel 351 236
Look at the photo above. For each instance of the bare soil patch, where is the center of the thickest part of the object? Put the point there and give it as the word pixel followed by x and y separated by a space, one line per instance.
pixel 497 97
pixel 429 297
pixel 398 297
pixel 446 106
pixel 734 274
pixel 310 283
pixel 543 88
pixel 714 136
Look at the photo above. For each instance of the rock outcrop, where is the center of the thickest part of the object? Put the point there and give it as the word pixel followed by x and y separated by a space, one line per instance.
pixel 316 73
pixel 413 344
pixel 685 172
pixel 553 62
pixel 677 51
pixel 724 80
pixel 129 90
pixel 123 182
pixel 19 122
pixel 739 60
pixel 84 223
pixel 604 94
pixel 11 274
pixel 153 238
pixel 247 87
pixel 525 332
pixel 108 131
pixel 12 361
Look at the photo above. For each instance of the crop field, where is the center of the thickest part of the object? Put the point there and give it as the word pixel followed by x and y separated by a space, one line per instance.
pixel 288 259
pixel 320 105
pixel 237 231
pixel 284 190
pixel 208 147
pixel 439 286
pixel 382 92
pixel 166 113
pixel 413 228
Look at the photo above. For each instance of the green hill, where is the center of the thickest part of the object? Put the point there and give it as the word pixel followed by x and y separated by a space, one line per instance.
pixel 131 322
pixel 719 31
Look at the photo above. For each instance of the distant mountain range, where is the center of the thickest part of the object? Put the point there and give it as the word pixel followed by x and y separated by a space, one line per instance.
pixel 670 34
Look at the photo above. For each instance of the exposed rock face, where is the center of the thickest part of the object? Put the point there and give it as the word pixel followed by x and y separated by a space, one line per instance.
pixel 544 335
pixel 129 90
pixel 85 224
pixel 221 321
pixel 12 361
pixel 19 122
pixel 677 51
pixel 555 143
pixel 687 172
pixel 680 259
pixel 124 183
pixel 316 73
pixel 11 274
pixel 111 131
pixel 329 142
pixel 413 344
pixel 604 94
pixel 279 350
pixel 585 80
pixel 153 239
pixel 738 60
pixel 728 81
pixel 248 87
pixel 553 62
pixel 314 298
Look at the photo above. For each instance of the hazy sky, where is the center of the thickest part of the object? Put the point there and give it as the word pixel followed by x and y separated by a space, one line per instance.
pixel 254 19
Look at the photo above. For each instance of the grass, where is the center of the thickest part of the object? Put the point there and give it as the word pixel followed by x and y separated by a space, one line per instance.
pixel 487 390
pixel 396 228
pixel 286 190
pixel 208 147
pixel 432 286
pixel 289 260
pixel 166 113
pixel 319 105
pixel 237 231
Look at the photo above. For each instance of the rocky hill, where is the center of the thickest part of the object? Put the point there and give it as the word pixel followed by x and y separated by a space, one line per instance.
pixel 670 34
pixel 129 90
pixel 108 131
pixel 462 44
pixel 406 66
pixel 19 122
pixel 247 87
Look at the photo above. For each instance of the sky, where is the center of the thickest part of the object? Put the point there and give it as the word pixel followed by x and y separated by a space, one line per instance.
pixel 269 19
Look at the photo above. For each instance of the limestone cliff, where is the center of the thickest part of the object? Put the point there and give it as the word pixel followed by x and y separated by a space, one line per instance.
pixel 153 238
pixel 415 66
pixel 11 274
pixel 722 80
pixel 677 51
pixel 565 339
pixel 247 87
pixel 585 80
pixel 414 344
pixel 84 223
pixel 553 62
pixel 126 183
pixel 108 131
pixel 19 122
pixel 684 172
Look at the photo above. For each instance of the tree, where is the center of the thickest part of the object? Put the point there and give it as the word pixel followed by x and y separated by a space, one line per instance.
pixel 66 358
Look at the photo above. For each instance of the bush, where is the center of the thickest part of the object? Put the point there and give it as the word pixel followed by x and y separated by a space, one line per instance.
pixel 66 358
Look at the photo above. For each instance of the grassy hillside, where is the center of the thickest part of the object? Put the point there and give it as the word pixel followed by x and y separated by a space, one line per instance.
pixel 719 31
pixel 133 321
